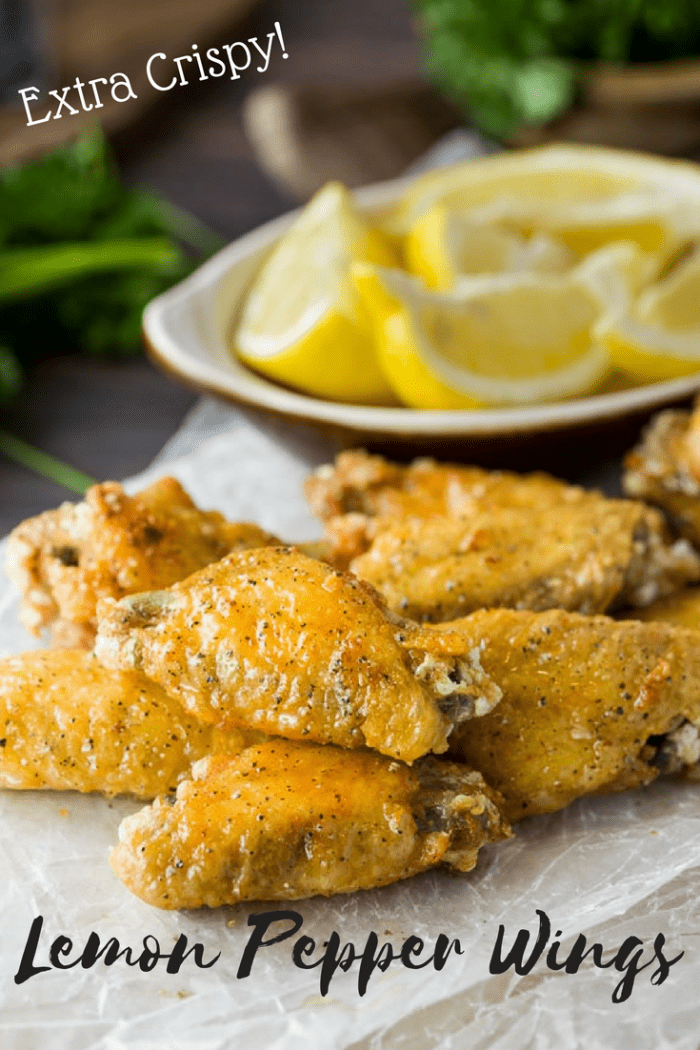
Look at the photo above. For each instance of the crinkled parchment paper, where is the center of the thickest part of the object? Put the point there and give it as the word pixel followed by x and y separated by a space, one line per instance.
pixel 610 868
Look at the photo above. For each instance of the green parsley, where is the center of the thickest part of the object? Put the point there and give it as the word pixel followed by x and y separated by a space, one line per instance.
pixel 81 254
pixel 519 62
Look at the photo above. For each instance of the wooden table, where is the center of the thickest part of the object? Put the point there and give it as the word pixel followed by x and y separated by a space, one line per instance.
pixel 110 419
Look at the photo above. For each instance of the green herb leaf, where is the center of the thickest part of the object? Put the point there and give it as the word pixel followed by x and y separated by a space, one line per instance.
pixel 41 463
pixel 518 63
pixel 60 196
pixel 87 251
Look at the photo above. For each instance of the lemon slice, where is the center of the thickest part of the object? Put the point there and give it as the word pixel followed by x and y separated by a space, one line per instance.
pixel 655 221
pixel 444 245
pixel 616 274
pixel 499 340
pixel 584 196
pixel 549 174
pixel 659 336
pixel 302 323
pixel 674 302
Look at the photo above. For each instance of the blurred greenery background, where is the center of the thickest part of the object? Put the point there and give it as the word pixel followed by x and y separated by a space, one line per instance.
pixel 86 241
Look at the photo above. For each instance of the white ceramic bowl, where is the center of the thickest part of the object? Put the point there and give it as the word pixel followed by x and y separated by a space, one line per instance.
pixel 187 331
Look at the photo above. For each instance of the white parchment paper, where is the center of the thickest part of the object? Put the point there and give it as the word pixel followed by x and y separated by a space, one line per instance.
pixel 610 868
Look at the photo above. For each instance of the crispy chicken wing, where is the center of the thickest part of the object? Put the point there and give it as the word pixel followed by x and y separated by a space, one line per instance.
pixel 365 484
pixel 277 641
pixel 589 705
pixel 664 469
pixel 358 495
pixel 113 544
pixel 289 820
pixel 70 725
pixel 681 608
pixel 586 556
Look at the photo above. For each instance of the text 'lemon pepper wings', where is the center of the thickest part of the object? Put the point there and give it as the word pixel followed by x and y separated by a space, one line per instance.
pixel 289 820
pixel 113 544
pixel 68 724
pixel 274 640
pixel 589 705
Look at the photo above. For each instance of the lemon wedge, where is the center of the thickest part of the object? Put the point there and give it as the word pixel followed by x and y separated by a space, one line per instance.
pixel 655 221
pixel 302 323
pixel 509 339
pixel 546 175
pixel 586 197
pixel 445 245
pixel 616 273
pixel 658 337
pixel 674 302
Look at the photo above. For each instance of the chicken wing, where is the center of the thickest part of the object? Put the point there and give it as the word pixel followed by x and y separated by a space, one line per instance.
pixel 274 640
pixel 371 485
pixel 681 608
pixel 361 493
pixel 590 705
pixel 289 820
pixel 70 725
pixel 113 544
pixel 664 469
pixel 586 556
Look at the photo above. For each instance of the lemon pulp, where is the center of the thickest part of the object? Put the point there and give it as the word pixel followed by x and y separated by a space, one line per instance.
pixel 302 323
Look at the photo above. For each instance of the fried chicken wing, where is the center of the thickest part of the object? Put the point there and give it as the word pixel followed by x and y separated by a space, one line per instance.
pixel 70 725
pixel 590 705
pixel 681 608
pixel 289 820
pixel 370 485
pixel 585 556
pixel 359 495
pixel 274 640
pixel 113 544
pixel 664 469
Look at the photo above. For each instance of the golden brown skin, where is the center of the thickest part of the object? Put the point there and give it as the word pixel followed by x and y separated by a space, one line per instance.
pixel 358 495
pixel 68 724
pixel 273 640
pixel 371 485
pixel 112 544
pixel 288 820
pixel 681 608
pixel 664 469
pixel 582 699
pixel 584 556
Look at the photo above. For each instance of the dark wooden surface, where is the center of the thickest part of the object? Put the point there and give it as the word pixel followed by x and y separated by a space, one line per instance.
pixel 110 419
pixel 107 419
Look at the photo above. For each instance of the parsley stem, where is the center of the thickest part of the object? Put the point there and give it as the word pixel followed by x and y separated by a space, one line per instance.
pixel 27 271
pixel 42 463
pixel 186 227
